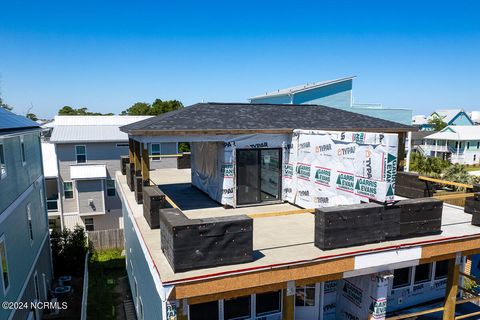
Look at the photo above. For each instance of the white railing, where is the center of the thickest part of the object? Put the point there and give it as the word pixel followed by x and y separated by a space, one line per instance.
pixel 83 314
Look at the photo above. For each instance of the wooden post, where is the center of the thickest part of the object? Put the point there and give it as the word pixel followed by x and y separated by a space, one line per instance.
pixel 401 151
pixel 131 151
pixel 452 288
pixel 145 165
pixel 137 155
pixel 182 310
pixel 289 302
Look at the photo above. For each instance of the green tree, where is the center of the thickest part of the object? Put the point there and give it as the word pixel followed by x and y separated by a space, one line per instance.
pixel 437 122
pixel 69 111
pixel 4 105
pixel 68 250
pixel 158 107
pixel 32 116
pixel 138 109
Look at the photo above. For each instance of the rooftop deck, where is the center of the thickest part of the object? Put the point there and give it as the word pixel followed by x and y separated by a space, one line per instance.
pixel 278 241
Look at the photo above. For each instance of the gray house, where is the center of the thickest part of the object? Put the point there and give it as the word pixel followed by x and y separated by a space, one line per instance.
pixel 25 258
pixel 84 153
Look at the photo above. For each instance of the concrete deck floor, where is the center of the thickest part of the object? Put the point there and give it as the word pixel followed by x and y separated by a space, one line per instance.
pixel 277 240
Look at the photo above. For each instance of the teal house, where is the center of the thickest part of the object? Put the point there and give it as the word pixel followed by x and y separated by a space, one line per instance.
pixel 25 259
pixel 336 94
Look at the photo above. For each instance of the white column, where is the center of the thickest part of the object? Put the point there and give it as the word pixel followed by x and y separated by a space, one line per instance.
pixel 409 151
pixel 458 150
pixel 436 145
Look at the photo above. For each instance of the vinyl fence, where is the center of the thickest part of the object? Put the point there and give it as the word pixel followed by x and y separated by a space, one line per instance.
pixel 106 239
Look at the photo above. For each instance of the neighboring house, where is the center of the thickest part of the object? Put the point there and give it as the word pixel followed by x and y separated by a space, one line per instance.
pixel 25 259
pixel 458 144
pixel 453 117
pixel 336 94
pixel 289 277
pixel 84 153
pixel 418 138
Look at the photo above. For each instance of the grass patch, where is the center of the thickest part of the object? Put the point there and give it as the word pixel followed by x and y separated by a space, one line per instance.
pixel 105 268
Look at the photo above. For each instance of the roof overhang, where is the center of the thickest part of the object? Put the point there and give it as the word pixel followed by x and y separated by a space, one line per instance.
pixel 88 172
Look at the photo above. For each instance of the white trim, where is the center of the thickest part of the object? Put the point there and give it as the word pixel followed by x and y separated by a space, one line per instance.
pixel 28 209
pixel 387 258
pixel 3 175
pixel 30 273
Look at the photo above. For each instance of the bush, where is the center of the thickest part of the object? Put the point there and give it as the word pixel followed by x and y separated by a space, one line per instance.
pixel 68 251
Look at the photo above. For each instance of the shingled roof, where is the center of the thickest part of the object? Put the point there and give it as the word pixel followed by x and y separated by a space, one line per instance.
pixel 224 118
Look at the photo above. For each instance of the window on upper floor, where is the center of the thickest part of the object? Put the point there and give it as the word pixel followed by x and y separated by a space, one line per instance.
pixel 68 189
pixel 4 265
pixel 121 145
pixel 478 144
pixel 155 151
pixel 3 164
pixel 422 273
pixel 111 188
pixel 81 153
pixel 401 277
pixel 441 269
pixel 22 148
pixel 89 226
pixel 268 303
pixel 203 311
pixel 468 145
pixel 29 221
pixel 237 308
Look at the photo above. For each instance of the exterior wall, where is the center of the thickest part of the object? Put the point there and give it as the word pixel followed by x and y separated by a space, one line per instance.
pixel 90 196
pixel 337 95
pixel 19 177
pixel 403 116
pixel 24 187
pixel 97 153
pixel 140 274
pixel 283 99
pixel 468 151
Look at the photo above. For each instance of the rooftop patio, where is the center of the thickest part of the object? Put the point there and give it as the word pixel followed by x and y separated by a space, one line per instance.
pixel 282 237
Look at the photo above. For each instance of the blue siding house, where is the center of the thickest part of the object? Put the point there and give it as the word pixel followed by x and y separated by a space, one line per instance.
pixel 336 94
pixel 25 258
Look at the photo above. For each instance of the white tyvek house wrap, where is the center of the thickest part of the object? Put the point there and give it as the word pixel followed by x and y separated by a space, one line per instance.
pixel 362 297
pixel 213 163
pixel 336 168
pixel 319 168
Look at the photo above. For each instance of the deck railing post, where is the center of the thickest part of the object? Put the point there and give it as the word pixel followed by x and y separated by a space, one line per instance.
pixel 452 288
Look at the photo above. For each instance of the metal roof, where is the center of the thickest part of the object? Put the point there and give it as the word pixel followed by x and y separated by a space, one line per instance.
pixel 254 118
pixel 49 157
pixel 457 133
pixel 300 88
pixel 88 171
pixel 71 129
pixel 10 121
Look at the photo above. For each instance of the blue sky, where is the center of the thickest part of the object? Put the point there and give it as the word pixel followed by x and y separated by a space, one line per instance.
pixel 106 55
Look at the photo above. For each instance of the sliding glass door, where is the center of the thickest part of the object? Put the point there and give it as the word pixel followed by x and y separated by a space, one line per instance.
pixel 258 175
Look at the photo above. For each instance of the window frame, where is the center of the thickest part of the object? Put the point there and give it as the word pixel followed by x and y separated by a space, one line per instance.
pixel 415 282
pixel 246 317
pixel 3 161
pixel 64 190
pixel 92 224
pixel 29 222
pixel 79 154
pixel 440 277
pixel 409 282
pixel 111 188
pixel 266 313
pixel 156 157
pixel 3 272
pixel 304 290
pixel 122 145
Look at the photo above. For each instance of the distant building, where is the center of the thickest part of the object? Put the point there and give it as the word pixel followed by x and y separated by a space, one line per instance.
pixel 452 117
pixel 458 144
pixel 25 259
pixel 81 155
pixel 336 94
